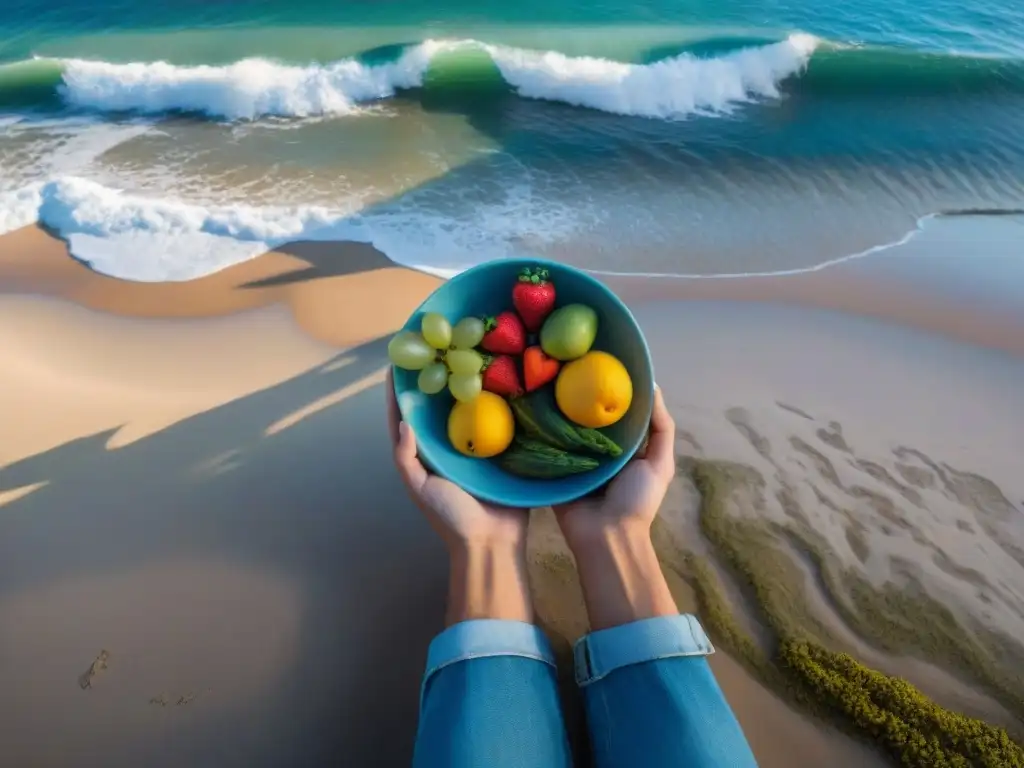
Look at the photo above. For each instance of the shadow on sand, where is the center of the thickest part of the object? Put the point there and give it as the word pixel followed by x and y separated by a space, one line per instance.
pixel 316 504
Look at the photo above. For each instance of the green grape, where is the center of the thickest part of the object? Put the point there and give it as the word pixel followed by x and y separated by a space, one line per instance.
pixel 467 333
pixel 408 350
pixel 432 378
pixel 436 330
pixel 464 361
pixel 465 387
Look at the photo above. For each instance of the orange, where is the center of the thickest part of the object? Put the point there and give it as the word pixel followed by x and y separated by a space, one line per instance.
pixel 481 428
pixel 594 391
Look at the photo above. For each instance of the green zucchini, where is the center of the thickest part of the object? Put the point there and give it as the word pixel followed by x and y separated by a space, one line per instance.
pixel 536 459
pixel 538 415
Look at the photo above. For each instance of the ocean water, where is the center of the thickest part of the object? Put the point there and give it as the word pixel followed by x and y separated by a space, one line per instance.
pixel 167 141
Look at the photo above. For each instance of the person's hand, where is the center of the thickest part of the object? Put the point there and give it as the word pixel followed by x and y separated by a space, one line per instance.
pixel 486 543
pixel 610 535
pixel 631 501
pixel 457 517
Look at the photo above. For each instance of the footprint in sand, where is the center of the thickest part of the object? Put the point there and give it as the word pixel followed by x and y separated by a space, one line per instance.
pixel 740 418
pixel 882 475
pixel 99 664
pixel 821 461
pixel 823 498
pixel 973 491
pixel 833 436
pixel 688 437
pixel 787 499
pixel 883 507
pixel 857 540
pixel 948 565
pixel 979 494
pixel 916 476
pixel 163 700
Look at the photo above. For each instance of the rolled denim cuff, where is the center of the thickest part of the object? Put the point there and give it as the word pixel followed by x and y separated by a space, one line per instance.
pixel 480 638
pixel 600 653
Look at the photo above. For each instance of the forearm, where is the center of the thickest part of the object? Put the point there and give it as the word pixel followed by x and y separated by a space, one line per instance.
pixel 490 649
pixel 650 695
pixel 488 582
pixel 621 578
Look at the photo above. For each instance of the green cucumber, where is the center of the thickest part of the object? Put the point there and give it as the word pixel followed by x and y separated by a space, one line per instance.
pixel 538 415
pixel 536 459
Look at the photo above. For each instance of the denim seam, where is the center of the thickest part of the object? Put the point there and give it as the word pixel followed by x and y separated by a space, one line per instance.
pixel 608 730
pixel 581 662
pixel 592 678
pixel 700 640
pixel 484 655
pixel 467 657
pixel 691 637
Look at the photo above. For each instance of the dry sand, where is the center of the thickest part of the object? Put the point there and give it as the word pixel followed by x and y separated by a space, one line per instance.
pixel 200 525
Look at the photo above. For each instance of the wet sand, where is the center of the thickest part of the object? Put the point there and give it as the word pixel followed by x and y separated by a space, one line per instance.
pixel 198 516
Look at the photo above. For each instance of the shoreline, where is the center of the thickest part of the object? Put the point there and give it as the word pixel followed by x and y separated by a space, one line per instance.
pixel 300 275
pixel 182 459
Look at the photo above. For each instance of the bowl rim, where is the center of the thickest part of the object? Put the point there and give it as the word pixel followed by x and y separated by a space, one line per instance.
pixel 628 452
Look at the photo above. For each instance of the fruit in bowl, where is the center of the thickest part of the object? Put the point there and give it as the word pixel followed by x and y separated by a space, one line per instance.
pixel 482 427
pixel 527 383
pixel 569 332
pixel 594 390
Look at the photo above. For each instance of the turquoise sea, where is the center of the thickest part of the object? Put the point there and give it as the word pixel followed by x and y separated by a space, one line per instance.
pixel 167 140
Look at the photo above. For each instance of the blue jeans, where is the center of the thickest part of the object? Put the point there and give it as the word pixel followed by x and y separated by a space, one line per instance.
pixel 490 699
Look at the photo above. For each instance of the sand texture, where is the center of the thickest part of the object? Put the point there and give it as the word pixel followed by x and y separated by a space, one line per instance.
pixel 206 557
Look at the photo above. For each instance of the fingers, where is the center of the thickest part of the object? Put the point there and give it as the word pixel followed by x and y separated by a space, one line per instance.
pixel 661 448
pixel 403 441
pixel 409 466
pixel 394 416
pixel 641 452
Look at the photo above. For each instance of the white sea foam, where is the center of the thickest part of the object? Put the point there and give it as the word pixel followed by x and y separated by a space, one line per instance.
pixel 253 88
pixel 155 240
pixel 49 149
pixel 670 88
pixel 151 239
pixel 19 207
pixel 247 89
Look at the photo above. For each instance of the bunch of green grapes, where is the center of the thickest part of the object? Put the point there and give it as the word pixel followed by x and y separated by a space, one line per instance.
pixel 443 355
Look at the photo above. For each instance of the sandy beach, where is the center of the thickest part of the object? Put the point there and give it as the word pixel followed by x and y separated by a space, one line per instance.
pixel 206 558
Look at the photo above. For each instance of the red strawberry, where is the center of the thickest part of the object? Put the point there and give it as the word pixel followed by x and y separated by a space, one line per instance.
pixel 504 335
pixel 533 297
pixel 538 368
pixel 502 377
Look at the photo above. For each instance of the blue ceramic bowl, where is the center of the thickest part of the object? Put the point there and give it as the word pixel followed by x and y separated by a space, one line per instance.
pixel 487 290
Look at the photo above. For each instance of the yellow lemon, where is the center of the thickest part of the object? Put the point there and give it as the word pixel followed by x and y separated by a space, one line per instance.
pixel 481 428
pixel 594 391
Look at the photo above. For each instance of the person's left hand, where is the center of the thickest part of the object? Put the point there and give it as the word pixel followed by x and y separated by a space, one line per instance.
pixel 458 518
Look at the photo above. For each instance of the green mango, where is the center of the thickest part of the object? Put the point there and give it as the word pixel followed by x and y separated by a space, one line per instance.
pixel 569 332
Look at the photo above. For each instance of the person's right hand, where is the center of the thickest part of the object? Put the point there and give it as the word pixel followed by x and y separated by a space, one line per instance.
pixel 610 535
pixel 631 501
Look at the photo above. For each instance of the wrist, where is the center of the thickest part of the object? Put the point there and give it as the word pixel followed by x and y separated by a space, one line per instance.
pixel 621 577
pixel 597 536
pixel 488 580
pixel 627 547
pixel 462 546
